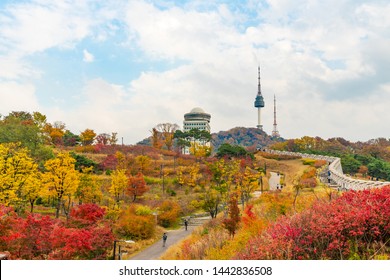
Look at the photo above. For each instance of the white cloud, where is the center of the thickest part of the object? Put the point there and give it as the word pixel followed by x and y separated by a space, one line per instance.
pixel 327 63
pixel 17 97
pixel 88 57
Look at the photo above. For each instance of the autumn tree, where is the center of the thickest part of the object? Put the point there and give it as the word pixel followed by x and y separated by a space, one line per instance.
pixel 200 150
pixel 32 189
pixel 121 160
pixel 70 139
pixel 20 127
pixel 224 174
pixel 137 222
pixel 143 163
pixel 156 141
pixel 56 132
pixel 247 182
pixel 18 175
pixel 61 178
pixel 166 132
pixel 103 139
pixel 363 170
pixel 88 190
pixel 113 138
pixel 136 186
pixel 87 137
pixel 194 175
pixel 169 213
pixel 180 176
pixel 211 202
pixel 119 182
pixel 232 222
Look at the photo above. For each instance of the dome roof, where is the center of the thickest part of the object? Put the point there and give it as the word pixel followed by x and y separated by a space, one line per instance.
pixel 197 110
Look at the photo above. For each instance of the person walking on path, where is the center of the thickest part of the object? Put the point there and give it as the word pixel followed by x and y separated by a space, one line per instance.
pixel 186 223
pixel 165 237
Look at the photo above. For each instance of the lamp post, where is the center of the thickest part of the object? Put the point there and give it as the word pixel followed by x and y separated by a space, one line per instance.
pixel 117 241
pixel 162 175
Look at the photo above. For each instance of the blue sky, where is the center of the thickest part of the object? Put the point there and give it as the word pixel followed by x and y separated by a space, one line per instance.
pixel 126 66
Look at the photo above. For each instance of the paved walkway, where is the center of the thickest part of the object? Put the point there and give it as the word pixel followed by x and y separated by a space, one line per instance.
pixel 155 251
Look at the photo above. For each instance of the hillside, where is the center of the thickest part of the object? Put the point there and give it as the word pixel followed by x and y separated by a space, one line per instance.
pixel 247 137
pixel 251 138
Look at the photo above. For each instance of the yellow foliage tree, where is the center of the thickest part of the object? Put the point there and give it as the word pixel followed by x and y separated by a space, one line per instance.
pixel 194 175
pixel 87 137
pixel 143 163
pixel 32 189
pixel 247 182
pixel 200 150
pixel 119 182
pixel 88 190
pixel 180 177
pixel 17 171
pixel 61 178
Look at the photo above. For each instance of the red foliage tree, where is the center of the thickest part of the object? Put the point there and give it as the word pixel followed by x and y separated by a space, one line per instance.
pixel 29 237
pixel 136 186
pixel 86 215
pixel 41 237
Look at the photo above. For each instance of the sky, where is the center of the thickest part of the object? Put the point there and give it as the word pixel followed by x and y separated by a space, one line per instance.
pixel 126 66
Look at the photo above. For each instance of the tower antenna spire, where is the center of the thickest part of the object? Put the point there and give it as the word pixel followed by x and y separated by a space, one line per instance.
pixel 275 132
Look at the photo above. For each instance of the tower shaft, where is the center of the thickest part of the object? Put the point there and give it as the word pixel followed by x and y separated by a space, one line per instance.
pixel 259 125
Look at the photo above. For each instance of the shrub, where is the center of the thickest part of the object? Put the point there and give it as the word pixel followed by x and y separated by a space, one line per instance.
pixel 278 157
pixel 169 213
pixel 136 226
pixel 308 161
pixel 354 226
pixel 86 215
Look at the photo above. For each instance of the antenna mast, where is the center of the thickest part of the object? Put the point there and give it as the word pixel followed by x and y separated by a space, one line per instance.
pixel 275 132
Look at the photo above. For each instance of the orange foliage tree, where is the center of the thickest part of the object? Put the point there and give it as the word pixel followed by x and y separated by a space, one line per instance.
pixel 136 186
pixel 232 223
pixel 169 213
pixel 136 222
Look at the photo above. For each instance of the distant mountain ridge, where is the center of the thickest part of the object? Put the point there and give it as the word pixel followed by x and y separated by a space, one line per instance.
pixel 248 137
pixel 251 138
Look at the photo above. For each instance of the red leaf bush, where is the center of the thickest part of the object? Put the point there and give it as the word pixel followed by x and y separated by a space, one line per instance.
pixel 354 226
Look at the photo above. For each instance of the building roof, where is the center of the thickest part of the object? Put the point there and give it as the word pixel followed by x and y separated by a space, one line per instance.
pixel 197 110
pixel 197 114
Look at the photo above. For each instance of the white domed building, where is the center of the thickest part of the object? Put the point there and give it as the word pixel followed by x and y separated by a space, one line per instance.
pixel 196 119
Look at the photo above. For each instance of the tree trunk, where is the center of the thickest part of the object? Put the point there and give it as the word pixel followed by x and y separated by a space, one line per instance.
pixel 58 208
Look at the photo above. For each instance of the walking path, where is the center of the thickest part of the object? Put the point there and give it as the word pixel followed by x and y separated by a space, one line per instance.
pixel 336 172
pixel 156 250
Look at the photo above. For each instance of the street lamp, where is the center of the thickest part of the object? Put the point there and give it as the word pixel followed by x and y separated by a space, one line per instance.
pixel 117 241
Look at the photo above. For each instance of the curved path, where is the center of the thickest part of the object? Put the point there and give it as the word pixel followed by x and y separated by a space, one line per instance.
pixel 336 172
pixel 156 250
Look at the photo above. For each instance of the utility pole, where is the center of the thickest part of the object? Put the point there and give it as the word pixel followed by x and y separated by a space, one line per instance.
pixel 162 176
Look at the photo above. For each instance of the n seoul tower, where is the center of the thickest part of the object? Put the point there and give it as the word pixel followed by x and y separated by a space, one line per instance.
pixel 259 103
